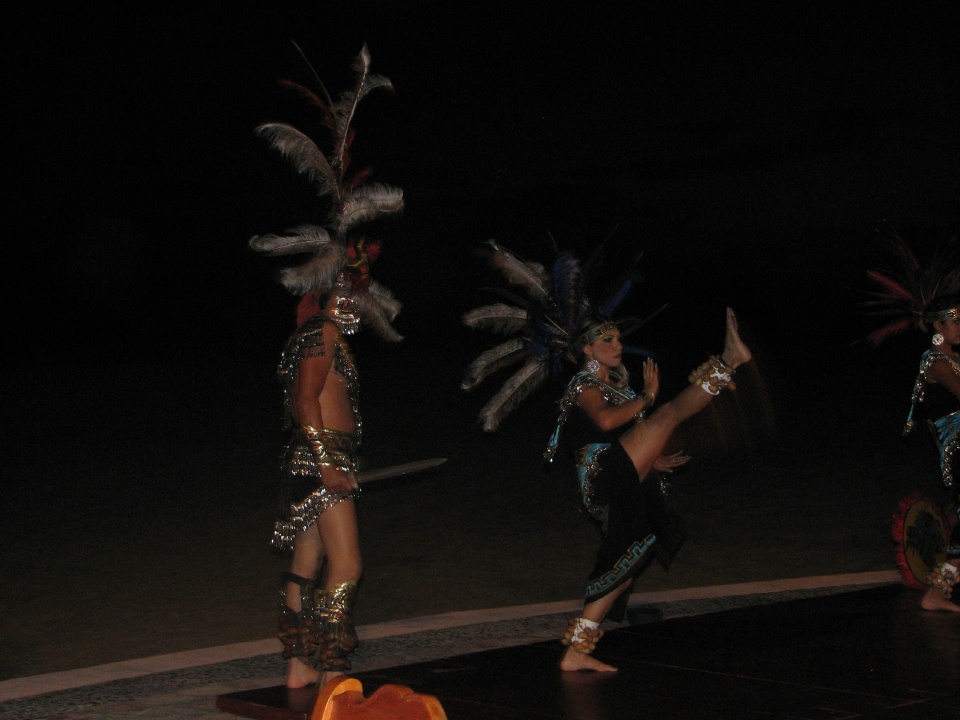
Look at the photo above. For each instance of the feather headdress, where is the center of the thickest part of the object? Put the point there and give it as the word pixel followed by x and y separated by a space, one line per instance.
pixel 333 247
pixel 904 294
pixel 547 309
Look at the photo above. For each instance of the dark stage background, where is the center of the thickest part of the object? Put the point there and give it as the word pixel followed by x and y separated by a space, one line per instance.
pixel 749 155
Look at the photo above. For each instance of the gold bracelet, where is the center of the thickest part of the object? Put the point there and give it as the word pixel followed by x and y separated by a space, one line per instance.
pixel 317 448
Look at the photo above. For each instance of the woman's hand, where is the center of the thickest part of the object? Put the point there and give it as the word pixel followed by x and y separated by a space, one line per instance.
pixel 337 481
pixel 666 463
pixel 651 377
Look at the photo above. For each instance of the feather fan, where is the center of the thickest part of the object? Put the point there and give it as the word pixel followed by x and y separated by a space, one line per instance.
pixel 905 293
pixel 547 319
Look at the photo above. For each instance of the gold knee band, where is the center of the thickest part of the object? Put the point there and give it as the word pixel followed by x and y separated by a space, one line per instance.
pixel 582 635
pixel 713 375
pixel 336 634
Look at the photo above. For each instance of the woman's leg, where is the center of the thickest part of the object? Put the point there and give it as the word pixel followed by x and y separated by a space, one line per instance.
pixel 307 555
pixel 339 532
pixel 576 659
pixel 645 441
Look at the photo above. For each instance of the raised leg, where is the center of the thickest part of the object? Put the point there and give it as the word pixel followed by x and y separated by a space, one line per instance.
pixel 646 440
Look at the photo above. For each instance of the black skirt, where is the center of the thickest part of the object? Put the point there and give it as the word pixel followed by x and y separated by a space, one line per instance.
pixel 640 526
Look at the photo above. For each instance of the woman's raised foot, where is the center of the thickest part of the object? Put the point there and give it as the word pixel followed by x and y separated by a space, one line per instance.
pixel 735 351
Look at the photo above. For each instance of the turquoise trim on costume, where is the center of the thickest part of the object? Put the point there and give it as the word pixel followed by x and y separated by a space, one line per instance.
pixel 947 430
pixel 623 568
pixel 589 456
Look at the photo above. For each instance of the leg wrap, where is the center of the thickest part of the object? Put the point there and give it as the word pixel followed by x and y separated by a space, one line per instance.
pixel 713 376
pixel 297 626
pixel 336 635
pixel 582 635
pixel 945 577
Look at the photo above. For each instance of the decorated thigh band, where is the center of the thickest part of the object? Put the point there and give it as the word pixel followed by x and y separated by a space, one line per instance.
pixel 713 375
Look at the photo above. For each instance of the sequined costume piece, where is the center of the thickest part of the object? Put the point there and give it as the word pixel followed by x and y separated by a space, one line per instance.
pixel 635 522
pixel 946 427
pixel 935 403
pixel 336 635
pixel 303 498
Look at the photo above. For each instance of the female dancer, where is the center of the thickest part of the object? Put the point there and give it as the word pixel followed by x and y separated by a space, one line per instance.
pixel 936 395
pixel 614 471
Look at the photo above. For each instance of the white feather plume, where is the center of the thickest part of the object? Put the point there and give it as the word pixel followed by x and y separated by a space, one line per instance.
pixel 317 274
pixel 385 298
pixel 530 276
pixel 374 316
pixel 301 239
pixel 523 382
pixel 368 202
pixel 492 360
pixel 498 318
pixel 303 153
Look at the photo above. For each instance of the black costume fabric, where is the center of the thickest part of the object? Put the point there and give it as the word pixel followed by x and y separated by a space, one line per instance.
pixel 640 525
pixel 940 404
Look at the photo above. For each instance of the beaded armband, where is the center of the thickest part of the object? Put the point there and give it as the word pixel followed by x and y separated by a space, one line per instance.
pixel 330 448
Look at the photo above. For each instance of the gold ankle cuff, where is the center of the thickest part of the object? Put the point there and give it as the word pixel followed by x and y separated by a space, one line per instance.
pixel 713 375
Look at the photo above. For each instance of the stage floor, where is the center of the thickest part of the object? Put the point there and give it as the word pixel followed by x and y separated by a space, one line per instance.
pixel 863 654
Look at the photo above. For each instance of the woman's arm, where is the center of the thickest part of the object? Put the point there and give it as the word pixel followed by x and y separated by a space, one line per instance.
pixel 608 417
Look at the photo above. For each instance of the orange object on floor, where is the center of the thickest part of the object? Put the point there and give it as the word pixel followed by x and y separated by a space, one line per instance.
pixel 342 699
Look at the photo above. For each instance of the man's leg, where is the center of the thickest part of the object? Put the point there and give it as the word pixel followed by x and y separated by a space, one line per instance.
pixel 334 603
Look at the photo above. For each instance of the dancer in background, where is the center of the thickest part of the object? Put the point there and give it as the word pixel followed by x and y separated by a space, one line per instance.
pixel 319 489
pixel 936 402
pixel 926 296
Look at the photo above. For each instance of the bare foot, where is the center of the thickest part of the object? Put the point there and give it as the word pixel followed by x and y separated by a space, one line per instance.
pixel 934 599
pixel 573 661
pixel 299 674
pixel 735 351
